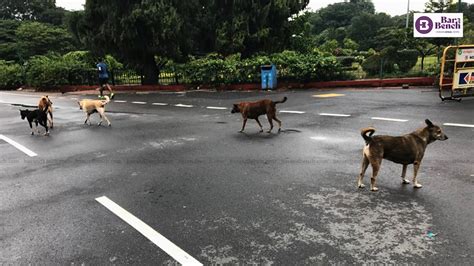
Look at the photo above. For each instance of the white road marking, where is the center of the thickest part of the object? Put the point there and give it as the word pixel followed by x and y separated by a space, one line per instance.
pixel 155 237
pixel 119 101
pixel 319 138
pixel 457 125
pixel 338 115
pixel 184 105
pixel 216 108
pixel 389 119
pixel 160 104
pixel 292 112
pixel 19 146
pixel 139 102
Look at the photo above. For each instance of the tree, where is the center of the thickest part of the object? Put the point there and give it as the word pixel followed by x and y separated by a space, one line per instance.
pixel 139 32
pixel 39 10
pixel 8 46
pixel 35 38
pixel 364 28
pixel 439 6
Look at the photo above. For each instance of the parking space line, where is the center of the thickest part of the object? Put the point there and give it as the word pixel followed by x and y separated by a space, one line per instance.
pixel 216 108
pixel 159 104
pixel 388 119
pixel 291 112
pixel 457 125
pixel 119 101
pixel 155 237
pixel 18 146
pixel 337 115
pixel 139 102
pixel 184 105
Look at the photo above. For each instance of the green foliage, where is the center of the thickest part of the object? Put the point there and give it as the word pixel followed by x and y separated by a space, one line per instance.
pixel 34 38
pixel 38 10
pixel 11 75
pixel 294 66
pixel 8 49
pixel 406 59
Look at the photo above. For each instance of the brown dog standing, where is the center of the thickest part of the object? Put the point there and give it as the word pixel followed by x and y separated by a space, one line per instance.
pixel 253 110
pixel 405 150
pixel 46 105
pixel 93 106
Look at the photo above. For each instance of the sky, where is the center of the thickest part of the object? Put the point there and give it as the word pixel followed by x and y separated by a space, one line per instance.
pixel 391 7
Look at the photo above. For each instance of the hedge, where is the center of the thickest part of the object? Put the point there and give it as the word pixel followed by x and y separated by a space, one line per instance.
pixel 11 75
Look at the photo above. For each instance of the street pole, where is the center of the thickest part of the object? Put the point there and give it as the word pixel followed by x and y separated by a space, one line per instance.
pixel 408 13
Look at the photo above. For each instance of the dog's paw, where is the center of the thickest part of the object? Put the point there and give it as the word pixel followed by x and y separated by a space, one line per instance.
pixel 361 186
pixel 110 125
pixel 417 185
pixel 374 189
pixel 46 134
pixel 32 133
pixel 241 131
pixel 405 181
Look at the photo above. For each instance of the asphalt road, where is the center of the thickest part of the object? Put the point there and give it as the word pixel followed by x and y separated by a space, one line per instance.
pixel 228 197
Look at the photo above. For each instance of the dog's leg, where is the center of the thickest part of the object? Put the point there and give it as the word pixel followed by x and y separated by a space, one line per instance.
pixel 102 116
pixel 243 125
pixel 31 127
pixel 37 129
pixel 87 119
pixel 404 172
pixel 269 117
pixel 51 119
pixel 416 166
pixel 365 164
pixel 375 171
pixel 259 124
pixel 278 121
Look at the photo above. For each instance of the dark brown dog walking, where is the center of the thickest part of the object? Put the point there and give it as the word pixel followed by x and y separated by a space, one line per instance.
pixel 405 150
pixel 253 110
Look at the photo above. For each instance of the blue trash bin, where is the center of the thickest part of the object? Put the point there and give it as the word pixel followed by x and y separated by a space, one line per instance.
pixel 269 77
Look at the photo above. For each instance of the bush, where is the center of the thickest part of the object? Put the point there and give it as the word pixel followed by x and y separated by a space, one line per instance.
pixel 406 59
pixel 11 75
pixel 292 66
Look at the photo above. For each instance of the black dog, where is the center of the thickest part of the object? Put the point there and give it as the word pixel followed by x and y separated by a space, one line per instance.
pixel 36 116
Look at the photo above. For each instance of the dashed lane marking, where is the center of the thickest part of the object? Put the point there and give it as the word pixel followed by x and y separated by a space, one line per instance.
pixel 457 125
pixel 337 115
pixel 139 102
pixel 292 112
pixel 119 101
pixel 159 104
pixel 389 119
pixel 328 95
pixel 216 108
pixel 155 237
pixel 19 146
pixel 184 105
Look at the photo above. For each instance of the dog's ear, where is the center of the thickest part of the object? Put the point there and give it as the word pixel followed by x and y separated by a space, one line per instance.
pixel 428 122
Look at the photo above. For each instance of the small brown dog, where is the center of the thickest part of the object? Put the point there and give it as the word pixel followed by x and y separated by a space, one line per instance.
pixel 93 106
pixel 46 105
pixel 405 150
pixel 253 110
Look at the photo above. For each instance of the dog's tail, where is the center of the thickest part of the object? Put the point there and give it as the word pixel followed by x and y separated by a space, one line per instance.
pixel 107 100
pixel 282 101
pixel 364 131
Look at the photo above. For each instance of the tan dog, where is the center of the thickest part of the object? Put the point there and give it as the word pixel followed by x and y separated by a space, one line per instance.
pixel 253 110
pixel 405 150
pixel 93 106
pixel 46 105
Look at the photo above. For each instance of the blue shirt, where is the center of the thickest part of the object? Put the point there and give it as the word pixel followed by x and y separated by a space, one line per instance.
pixel 102 67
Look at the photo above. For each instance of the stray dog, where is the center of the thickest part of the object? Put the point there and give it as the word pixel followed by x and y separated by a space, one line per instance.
pixel 405 150
pixel 253 110
pixel 93 106
pixel 36 116
pixel 45 104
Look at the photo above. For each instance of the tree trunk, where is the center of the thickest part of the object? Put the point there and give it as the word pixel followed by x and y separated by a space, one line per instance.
pixel 150 71
pixel 422 61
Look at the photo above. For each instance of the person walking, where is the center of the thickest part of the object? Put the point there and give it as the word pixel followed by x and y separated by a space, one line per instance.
pixel 104 79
